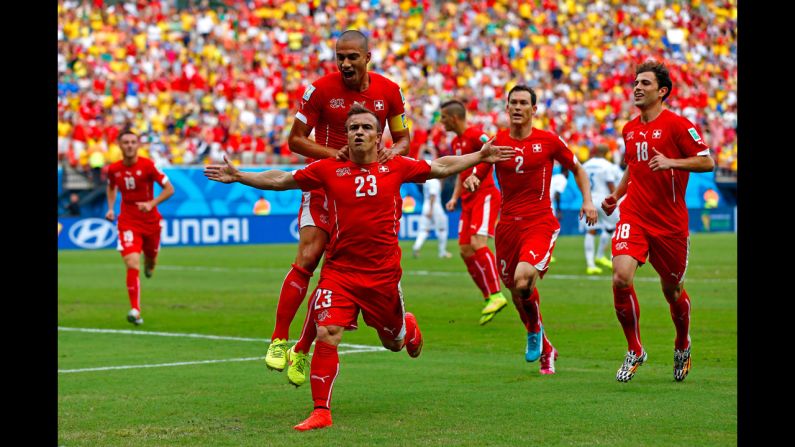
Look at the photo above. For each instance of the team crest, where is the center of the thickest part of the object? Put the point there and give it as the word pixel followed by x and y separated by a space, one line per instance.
pixel 343 171
pixel 382 168
pixel 622 246
pixel 656 134
pixel 308 92
pixel 337 103
pixel 379 104
pixel 323 315
pixel 537 147
pixel 630 135
pixel 324 218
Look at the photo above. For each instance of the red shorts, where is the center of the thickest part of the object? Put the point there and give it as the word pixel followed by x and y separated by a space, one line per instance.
pixel 525 240
pixel 339 297
pixel 314 211
pixel 668 254
pixel 134 238
pixel 479 216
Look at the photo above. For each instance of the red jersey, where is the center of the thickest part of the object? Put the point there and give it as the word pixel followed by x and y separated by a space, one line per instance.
pixel 468 143
pixel 657 199
pixel 365 206
pixel 525 180
pixel 136 184
pixel 324 106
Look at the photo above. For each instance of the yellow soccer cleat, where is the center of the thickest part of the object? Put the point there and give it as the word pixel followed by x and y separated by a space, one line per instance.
pixel 494 304
pixel 593 270
pixel 604 262
pixel 297 364
pixel 276 357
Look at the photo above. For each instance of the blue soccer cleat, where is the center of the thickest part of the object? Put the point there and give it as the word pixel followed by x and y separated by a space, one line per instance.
pixel 534 344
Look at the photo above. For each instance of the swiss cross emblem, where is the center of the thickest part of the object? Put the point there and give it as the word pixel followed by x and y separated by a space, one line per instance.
pixel 382 168
pixel 657 133
pixel 537 147
pixel 379 105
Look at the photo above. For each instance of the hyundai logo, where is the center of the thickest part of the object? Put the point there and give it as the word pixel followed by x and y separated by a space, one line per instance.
pixel 92 233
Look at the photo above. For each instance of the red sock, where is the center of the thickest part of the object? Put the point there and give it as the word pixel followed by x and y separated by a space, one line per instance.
pixel 476 275
pixel 290 299
pixel 134 289
pixel 628 313
pixel 487 265
pixel 323 372
pixel 309 330
pixel 532 308
pixel 680 314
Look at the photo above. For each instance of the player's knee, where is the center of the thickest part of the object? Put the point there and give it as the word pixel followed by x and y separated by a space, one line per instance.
pixel 467 251
pixel 622 279
pixel 672 292
pixel 329 334
pixel 392 345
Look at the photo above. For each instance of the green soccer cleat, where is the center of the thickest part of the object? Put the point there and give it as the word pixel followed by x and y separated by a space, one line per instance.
pixel 276 357
pixel 593 270
pixel 297 364
pixel 494 304
pixel 604 262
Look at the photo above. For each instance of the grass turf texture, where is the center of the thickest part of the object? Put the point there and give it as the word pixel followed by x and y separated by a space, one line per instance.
pixel 470 387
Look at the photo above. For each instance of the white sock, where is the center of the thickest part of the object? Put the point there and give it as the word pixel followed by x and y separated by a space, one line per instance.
pixel 589 249
pixel 604 240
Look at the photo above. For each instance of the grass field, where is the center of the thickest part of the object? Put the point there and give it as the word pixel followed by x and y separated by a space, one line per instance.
pixel 154 386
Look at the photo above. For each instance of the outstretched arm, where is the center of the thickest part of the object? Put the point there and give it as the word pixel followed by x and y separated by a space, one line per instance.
pixel 453 164
pixel 274 179
pixel 588 209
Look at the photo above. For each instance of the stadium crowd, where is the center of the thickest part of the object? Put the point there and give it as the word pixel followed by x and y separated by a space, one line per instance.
pixel 208 77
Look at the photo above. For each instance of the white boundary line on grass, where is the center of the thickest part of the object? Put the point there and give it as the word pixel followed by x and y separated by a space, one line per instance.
pixel 355 348
pixel 199 268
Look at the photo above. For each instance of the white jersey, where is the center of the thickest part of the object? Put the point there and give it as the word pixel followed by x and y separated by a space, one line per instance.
pixel 432 188
pixel 600 173
pixel 557 184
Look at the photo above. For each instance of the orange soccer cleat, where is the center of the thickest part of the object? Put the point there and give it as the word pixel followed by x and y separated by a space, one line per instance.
pixel 320 418
pixel 413 337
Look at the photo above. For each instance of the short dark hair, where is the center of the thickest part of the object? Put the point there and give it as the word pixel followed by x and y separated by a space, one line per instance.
pixel 523 88
pixel 358 109
pixel 127 131
pixel 353 34
pixel 660 73
pixel 457 108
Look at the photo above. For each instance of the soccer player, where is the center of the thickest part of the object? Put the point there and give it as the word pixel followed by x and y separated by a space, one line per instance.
pixel 662 148
pixel 478 211
pixel 433 216
pixel 323 107
pixel 604 177
pixel 139 220
pixel 362 270
pixel 527 231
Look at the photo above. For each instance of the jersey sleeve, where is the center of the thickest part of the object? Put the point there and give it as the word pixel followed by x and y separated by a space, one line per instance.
pixel 310 177
pixel 397 109
pixel 564 155
pixel 112 178
pixel 414 171
pixel 309 107
pixel 688 140
pixel 157 175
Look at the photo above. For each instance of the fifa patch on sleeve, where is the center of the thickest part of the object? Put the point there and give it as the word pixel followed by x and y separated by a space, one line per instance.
pixel 398 122
pixel 301 117
pixel 308 93
pixel 694 134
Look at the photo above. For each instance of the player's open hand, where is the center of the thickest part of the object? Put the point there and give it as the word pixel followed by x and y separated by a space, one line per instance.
pixel 609 204
pixel 589 211
pixel 450 205
pixel 384 155
pixel 343 153
pixel 660 162
pixel 494 154
pixel 110 215
pixel 472 183
pixel 225 173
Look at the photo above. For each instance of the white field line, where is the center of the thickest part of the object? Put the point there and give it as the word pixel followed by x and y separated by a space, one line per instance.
pixel 199 268
pixel 355 348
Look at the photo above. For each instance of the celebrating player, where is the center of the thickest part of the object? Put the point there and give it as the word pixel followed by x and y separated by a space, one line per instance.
pixel 478 211
pixel 362 268
pixel 527 231
pixel 323 108
pixel 139 220
pixel 662 148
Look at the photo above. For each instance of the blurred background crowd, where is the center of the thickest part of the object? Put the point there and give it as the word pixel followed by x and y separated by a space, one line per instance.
pixel 199 78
